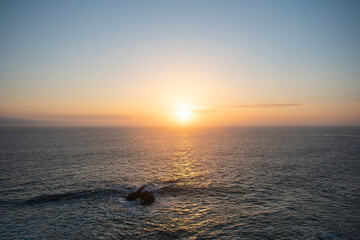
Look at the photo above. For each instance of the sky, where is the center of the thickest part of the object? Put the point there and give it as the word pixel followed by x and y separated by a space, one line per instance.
pixel 187 63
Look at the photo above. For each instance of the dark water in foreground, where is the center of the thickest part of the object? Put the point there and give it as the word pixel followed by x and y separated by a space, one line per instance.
pixel 230 183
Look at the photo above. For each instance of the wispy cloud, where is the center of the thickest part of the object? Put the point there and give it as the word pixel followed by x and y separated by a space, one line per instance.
pixel 263 105
pixel 11 121
pixel 86 117
pixel 25 101
pixel 205 109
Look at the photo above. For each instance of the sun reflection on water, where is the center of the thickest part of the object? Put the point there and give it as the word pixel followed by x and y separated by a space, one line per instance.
pixel 186 168
pixel 183 175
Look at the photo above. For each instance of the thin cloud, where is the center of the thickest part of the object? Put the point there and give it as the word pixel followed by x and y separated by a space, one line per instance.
pixel 25 101
pixel 90 117
pixel 263 105
pixel 206 109
pixel 11 121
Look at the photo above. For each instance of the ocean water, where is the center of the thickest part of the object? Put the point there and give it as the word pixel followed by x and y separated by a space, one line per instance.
pixel 209 183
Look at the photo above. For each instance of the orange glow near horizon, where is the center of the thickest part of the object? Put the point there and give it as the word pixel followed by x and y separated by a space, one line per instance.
pixel 172 114
pixel 184 114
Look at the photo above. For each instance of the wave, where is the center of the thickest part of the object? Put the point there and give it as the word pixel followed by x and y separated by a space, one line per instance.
pixel 175 188
pixel 70 196
pixel 66 196
pixel 122 191
pixel 165 188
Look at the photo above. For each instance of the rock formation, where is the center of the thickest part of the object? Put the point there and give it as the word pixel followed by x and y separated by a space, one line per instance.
pixel 146 197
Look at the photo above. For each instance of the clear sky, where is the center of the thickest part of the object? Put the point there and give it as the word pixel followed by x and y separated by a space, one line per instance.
pixel 181 62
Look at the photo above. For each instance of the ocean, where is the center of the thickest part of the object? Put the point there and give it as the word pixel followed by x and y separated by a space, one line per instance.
pixel 209 183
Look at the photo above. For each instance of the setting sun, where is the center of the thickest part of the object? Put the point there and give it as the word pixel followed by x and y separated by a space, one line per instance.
pixel 184 114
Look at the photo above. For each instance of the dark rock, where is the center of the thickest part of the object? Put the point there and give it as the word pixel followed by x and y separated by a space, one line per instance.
pixel 145 197
pixel 132 196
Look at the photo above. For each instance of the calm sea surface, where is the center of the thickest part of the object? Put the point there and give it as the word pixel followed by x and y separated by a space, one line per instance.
pixel 229 183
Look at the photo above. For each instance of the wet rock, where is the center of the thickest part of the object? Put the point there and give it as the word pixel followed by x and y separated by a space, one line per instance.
pixel 146 197
pixel 134 195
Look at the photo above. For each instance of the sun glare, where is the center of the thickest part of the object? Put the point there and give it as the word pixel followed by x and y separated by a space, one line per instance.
pixel 184 114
